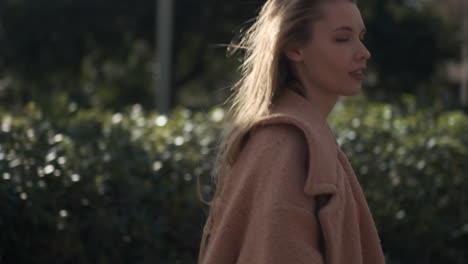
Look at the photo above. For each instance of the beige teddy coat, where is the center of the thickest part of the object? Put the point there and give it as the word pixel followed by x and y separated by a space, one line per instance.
pixel 292 197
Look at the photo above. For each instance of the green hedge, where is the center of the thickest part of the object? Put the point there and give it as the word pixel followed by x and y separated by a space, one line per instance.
pixel 90 186
pixel 413 167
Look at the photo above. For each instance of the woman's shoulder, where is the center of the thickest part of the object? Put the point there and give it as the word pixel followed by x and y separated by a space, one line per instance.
pixel 287 140
pixel 278 139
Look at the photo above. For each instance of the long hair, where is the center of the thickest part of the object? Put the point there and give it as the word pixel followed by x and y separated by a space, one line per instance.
pixel 264 72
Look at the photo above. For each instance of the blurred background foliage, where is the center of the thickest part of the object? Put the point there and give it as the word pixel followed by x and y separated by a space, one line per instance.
pixel 95 186
pixel 100 53
pixel 91 173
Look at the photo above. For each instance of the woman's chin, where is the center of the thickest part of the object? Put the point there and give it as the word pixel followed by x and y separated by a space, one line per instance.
pixel 352 91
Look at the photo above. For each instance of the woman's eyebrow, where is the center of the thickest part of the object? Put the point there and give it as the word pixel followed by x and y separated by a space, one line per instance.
pixel 364 30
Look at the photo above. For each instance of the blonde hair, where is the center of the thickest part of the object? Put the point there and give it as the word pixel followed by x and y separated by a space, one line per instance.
pixel 265 71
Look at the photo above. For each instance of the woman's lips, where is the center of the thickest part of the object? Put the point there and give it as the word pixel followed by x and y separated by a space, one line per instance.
pixel 358 75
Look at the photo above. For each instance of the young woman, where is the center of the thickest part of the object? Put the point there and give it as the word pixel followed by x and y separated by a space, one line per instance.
pixel 285 192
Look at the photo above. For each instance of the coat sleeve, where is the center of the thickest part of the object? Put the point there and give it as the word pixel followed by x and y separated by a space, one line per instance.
pixel 264 215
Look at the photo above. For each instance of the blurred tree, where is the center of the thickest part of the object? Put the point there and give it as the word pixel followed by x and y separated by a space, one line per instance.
pixel 80 47
pixel 410 42
pixel 458 10
pixel 202 34
pixel 100 52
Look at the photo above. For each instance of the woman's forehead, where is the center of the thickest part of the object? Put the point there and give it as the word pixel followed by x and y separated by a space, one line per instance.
pixel 341 16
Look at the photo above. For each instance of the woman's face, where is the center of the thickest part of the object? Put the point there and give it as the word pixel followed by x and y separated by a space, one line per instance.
pixel 334 59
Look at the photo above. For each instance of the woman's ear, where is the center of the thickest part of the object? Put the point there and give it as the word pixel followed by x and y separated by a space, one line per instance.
pixel 294 52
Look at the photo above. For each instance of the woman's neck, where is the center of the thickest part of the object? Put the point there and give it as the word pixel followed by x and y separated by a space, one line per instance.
pixel 322 102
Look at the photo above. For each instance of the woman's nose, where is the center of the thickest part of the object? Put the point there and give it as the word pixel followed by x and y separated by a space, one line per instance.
pixel 364 53
pixel 367 53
